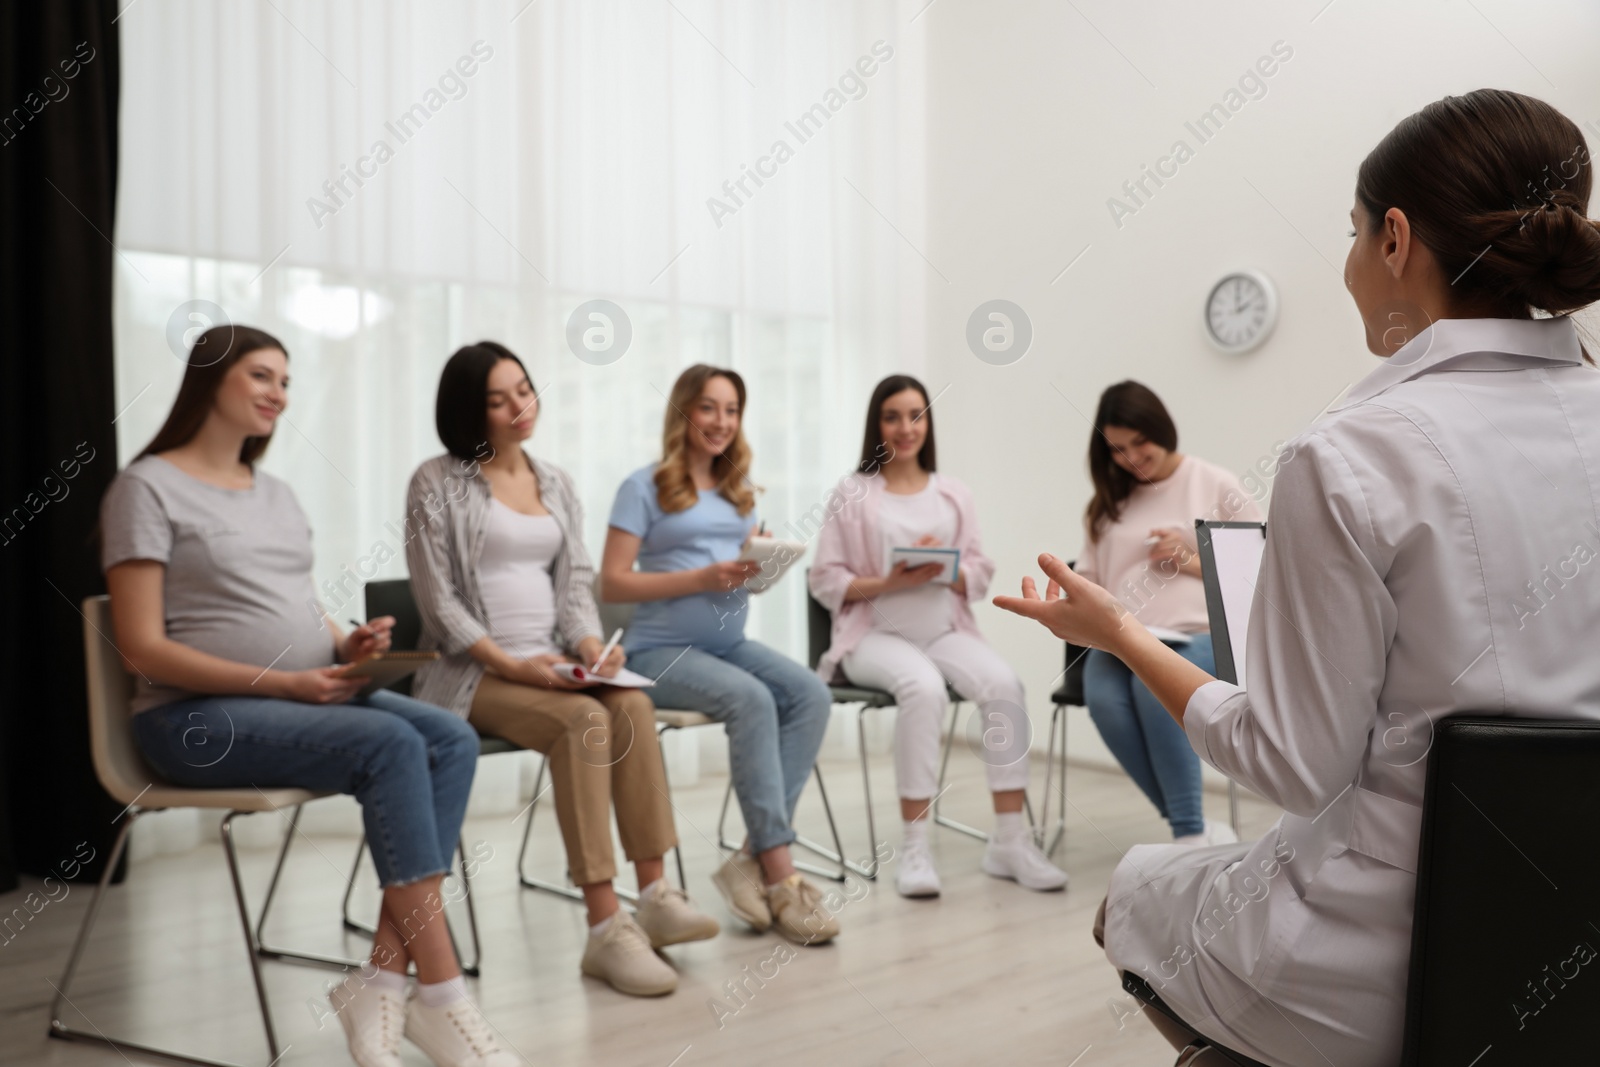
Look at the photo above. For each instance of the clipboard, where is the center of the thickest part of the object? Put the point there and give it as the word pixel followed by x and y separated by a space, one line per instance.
pixel 1230 565
pixel 386 668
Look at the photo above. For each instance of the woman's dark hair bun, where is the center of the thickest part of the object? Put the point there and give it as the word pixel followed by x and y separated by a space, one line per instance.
pixel 1496 184
pixel 1551 255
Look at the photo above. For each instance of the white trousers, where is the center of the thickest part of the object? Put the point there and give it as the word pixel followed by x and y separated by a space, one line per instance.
pixel 997 731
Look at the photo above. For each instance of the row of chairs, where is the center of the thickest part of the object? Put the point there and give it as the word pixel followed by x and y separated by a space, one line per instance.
pixel 125 775
pixel 1509 863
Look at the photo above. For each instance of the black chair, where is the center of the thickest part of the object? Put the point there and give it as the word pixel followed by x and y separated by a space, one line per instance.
pixel 1504 932
pixel 1508 871
pixel 394 598
pixel 1069 694
pixel 819 635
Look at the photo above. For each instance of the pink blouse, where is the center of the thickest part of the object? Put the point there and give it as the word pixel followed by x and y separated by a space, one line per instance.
pixel 848 547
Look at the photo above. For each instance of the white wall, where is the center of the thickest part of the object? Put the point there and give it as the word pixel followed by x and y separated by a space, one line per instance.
pixel 1035 119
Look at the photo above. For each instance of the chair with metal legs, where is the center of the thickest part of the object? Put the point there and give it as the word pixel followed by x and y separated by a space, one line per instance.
pixel 487 746
pixel 618 616
pixel 1069 694
pixel 819 634
pixel 389 597
pixel 124 774
pixel 393 597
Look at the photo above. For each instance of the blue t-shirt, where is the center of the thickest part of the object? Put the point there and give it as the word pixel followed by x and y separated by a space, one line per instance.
pixel 711 531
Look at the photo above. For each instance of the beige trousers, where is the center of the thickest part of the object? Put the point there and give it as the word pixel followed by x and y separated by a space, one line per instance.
pixel 603 751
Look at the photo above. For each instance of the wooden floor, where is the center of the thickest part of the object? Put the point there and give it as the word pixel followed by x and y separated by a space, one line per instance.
pixel 987 973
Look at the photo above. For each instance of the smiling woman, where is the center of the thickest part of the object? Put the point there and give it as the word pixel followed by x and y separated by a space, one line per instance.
pixel 207 560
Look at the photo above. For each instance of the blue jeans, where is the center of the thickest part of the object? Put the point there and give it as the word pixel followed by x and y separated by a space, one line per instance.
pixel 1146 740
pixel 775 710
pixel 410 764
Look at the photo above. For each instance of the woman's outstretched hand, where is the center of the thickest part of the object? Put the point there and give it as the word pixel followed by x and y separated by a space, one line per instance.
pixel 1073 608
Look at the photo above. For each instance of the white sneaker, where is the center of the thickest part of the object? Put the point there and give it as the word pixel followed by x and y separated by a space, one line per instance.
pixel 373 1018
pixel 1215 833
pixel 1019 859
pixel 915 876
pixel 456 1035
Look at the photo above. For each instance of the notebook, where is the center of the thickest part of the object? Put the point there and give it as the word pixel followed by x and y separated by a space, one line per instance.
pixel 386 668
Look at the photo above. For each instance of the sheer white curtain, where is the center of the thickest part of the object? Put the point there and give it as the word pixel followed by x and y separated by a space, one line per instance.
pixel 377 183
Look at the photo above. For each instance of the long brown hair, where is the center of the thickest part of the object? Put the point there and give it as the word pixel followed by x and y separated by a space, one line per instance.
pixel 873 449
pixel 675 488
pixel 210 359
pixel 1496 185
pixel 1133 407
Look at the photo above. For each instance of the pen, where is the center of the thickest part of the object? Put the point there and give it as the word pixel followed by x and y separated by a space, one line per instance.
pixel 761 531
pixel 604 652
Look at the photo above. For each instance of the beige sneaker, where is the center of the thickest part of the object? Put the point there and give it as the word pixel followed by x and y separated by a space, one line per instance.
pixel 623 957
pixel 740 883
pixel 669 919
pixel 798 913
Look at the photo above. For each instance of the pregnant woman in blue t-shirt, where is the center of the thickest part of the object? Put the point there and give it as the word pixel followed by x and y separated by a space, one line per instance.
pixel 684 521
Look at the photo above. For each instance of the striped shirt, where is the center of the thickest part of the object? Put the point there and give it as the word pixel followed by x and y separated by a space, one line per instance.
pixel 447 516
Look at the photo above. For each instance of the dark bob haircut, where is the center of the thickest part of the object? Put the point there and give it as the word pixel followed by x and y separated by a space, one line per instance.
pixel 461 411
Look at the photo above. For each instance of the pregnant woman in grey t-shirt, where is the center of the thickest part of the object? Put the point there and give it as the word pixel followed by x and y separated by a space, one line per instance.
pixel 208 561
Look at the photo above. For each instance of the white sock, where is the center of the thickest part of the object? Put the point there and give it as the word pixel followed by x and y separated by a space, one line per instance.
pixel 1008 825
pixel 599 928
pixel 648 892
pixel 914 831
pixel 389 980
pixel 439 994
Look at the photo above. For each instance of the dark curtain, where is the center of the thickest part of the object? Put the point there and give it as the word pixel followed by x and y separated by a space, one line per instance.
pixel 59 76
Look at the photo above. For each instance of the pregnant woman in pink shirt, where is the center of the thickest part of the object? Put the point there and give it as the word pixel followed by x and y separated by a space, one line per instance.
pixel 899 629
pixel 1140 545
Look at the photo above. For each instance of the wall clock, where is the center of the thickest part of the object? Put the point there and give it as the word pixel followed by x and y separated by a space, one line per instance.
pixel 1241 311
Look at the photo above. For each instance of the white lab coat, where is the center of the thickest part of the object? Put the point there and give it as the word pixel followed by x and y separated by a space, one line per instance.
pixel 1433 547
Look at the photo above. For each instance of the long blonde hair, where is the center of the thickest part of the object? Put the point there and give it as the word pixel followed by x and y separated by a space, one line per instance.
pixel 675 488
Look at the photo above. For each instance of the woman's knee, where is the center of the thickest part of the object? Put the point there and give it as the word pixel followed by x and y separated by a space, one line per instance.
pixel 743 703
pixel 594 734
pixel 1110 716
pixel 393 748
pixel 634 706
pixel 815 692
pixel 449 741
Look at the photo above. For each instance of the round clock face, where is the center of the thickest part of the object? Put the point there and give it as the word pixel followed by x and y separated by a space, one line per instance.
pixel 1241 311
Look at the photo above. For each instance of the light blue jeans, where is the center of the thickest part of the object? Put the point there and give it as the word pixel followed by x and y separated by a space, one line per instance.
pixel 775 711
pixel 1146 740
pixel 410 764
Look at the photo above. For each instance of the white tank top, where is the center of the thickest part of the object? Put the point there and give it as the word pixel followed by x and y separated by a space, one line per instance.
pixel 514 575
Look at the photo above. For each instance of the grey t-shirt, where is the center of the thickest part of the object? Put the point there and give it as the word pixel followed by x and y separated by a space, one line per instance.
pixel 238 567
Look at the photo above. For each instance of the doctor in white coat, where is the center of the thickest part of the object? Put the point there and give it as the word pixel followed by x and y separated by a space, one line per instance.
pixel 1433 547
